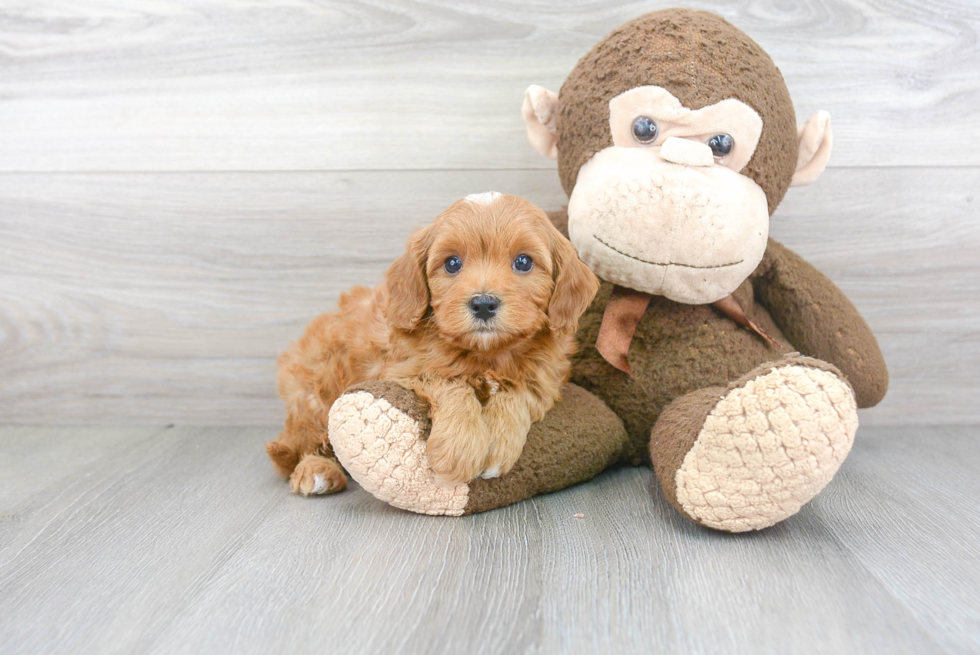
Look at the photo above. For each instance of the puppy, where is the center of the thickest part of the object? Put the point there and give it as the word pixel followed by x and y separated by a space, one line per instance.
pixel 478 317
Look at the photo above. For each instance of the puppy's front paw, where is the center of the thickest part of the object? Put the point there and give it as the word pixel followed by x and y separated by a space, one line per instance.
pixel 508 421
pixel 504 453
pixel 455 457
pixel 316 475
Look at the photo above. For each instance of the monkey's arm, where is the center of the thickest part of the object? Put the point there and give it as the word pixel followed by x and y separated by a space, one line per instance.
pixel 820 321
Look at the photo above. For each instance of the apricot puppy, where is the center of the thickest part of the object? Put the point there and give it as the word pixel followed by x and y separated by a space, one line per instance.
pixel 477 317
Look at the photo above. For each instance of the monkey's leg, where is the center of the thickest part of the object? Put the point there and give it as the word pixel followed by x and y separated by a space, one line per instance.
pixel 748 456
pixel 378 431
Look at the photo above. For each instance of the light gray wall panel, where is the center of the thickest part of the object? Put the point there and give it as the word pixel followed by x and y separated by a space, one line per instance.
pixel 300 85
pixel 161 298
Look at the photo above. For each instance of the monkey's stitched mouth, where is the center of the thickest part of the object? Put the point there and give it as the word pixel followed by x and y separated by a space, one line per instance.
pixel 644 261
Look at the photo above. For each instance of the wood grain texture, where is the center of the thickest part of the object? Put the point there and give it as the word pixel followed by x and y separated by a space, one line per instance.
pixel 917 503
pixel 158 298
pixel 103 85
pixel 184 540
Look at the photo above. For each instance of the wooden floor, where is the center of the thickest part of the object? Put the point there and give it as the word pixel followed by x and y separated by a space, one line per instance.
pixel 181 539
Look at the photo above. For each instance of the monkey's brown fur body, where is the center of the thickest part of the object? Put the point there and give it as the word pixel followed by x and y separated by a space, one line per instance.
pixel 740 433
pixel 682 348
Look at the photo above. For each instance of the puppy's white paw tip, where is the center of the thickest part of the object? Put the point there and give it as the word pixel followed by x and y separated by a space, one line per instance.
pixel 490 473
pixel 319 485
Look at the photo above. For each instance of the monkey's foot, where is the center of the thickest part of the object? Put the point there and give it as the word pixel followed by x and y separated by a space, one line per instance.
pixel 747 457
pixel 378 432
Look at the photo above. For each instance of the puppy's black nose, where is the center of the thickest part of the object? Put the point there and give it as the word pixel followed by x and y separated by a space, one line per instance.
pixel 484 306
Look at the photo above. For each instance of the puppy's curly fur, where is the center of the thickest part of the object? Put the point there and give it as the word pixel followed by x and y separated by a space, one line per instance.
pixel 487 378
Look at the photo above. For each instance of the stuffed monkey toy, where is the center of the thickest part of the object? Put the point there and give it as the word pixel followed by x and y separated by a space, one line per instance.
pixel 711 351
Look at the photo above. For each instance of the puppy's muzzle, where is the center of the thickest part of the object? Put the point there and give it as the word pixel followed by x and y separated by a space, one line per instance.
pixel 484 306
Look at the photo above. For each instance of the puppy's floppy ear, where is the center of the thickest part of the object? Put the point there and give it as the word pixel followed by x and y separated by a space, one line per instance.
pixel 408 289
pixel 575 284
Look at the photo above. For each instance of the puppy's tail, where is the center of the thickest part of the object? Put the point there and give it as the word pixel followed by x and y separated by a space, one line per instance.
pixel 283 457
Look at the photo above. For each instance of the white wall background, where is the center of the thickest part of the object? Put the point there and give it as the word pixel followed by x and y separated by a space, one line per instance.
pixel 183 185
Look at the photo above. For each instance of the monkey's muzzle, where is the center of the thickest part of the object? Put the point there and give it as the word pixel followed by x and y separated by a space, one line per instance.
pixel 692 233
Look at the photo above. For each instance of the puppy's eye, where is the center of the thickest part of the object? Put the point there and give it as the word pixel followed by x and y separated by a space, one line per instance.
pixel 645 131
pixel 523 263
pixel 721 145
pixel 453 264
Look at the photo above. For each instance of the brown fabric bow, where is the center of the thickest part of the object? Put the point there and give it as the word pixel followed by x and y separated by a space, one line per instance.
pixel 730 308
pixel 626 308
pixel 623 313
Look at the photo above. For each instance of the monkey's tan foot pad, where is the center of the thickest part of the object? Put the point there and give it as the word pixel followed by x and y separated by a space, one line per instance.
pixel 771 444
pixel 378 433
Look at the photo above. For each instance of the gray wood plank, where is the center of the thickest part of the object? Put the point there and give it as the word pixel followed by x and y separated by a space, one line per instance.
pixel 42 457
pixel 302 85
pixel 667 585
pixel 905 507
pixel 191 544
pixel 140 519
pixel 158 298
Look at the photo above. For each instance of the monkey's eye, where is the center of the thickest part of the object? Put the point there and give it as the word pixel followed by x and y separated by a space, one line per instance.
pixel 453 264
pixel 645 131
pixel 523 263
pixel 721 145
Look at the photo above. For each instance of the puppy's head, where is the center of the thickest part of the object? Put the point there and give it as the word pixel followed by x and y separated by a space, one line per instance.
pixel 489 271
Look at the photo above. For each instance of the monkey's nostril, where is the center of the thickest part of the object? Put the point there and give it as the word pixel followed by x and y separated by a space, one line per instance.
pixel 484 306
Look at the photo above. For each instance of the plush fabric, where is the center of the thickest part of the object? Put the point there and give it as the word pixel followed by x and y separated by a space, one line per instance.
pixel 774 440
pixel 676 349
pixel 667 48
pixel 569 446
pixel 730 116
pixel 821 321
pixel 382 446
pixel 379 431
pixel 680 348
pixel 627 199
pixel 741 430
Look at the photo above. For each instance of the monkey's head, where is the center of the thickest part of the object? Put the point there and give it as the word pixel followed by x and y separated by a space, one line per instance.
pixel 676 139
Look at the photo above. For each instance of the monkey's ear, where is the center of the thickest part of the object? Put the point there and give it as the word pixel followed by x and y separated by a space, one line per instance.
pixel 540 112
pixel 575 286
pixel 408 289
pixel 816 141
